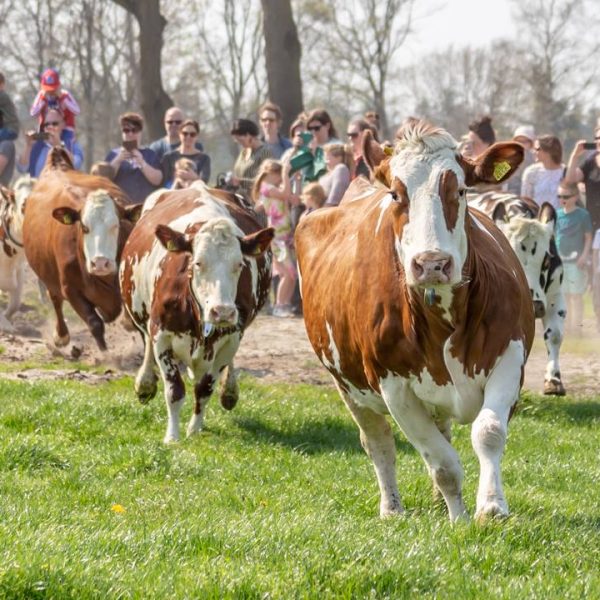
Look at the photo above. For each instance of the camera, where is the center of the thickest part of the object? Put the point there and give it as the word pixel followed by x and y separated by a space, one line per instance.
pixel 590 145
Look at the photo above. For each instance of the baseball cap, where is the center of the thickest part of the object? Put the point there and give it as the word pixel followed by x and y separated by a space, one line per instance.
pixel 50 80
pixel 526 131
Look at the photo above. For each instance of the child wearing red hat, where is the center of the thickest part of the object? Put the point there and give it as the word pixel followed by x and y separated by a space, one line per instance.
pixel 51 96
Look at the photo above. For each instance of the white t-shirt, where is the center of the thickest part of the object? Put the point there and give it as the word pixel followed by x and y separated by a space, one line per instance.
pixel 541 184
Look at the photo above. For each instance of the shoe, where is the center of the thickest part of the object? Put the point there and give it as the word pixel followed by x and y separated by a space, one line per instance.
pixel 282 311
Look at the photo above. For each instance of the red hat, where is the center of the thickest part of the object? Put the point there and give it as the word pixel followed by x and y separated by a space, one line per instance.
pixel 50 80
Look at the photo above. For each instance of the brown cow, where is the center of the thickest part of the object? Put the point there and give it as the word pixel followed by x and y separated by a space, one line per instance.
pixel 193 276
pixel 74 229
pixel 420 309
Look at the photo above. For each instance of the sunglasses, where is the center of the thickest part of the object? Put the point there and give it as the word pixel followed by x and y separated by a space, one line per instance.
pixel 129 130
pixel 314 127
pixel 189 134
pixel 565 196
pixel 352 134
pixel 268 120
pixel 174 122
pixel 51 123
pixel 597 137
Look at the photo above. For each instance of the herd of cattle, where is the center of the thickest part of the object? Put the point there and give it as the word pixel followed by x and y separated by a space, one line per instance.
pixel 418 305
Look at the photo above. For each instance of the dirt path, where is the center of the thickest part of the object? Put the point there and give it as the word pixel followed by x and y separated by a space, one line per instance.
pixel 273 350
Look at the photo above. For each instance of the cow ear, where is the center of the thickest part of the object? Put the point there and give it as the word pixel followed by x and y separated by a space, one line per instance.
pixel 173 241
pixel 495 165
pixel 547 214
pixel 256 243
pixel 66 215
pixel 499 214
pixel 133 213
pixel 377 158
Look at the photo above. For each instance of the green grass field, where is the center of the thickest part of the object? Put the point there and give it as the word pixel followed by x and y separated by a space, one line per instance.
pixel 277 500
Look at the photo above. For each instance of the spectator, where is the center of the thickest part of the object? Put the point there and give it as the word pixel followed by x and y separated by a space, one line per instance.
pixel 481 135
pixel 372 118
pixel 587 172
pixel 356 132
pixel 524 135
pixel 573 241
pixel 185 174
pixel 38 145
pixel 188 134
pixel 52 96
pixel 103 169
pixel 298 144
pixel 271 193
pixel 270 122
pixel 251 156
pixel 7 162
pixel 541 179
pixel 173 120
pixel 313 197
pixel 320 125
pixel 9 122
pixel 337 179
pixel 137 169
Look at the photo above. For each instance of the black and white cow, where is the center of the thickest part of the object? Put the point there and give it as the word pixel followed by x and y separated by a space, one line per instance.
pixel 530 231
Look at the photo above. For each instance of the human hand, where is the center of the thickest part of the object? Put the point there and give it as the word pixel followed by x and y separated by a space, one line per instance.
pixel 579 148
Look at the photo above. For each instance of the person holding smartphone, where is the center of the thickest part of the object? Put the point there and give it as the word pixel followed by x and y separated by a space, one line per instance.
pixel 38 144
pixel 137 169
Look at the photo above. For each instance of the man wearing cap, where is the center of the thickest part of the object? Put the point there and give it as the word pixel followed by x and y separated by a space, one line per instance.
pixel 524 135
pixel 51 96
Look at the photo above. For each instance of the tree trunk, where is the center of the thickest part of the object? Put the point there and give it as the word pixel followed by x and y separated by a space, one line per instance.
pixel 155 101
pixel 282 54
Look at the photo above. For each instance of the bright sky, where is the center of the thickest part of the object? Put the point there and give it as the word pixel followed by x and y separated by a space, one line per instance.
pixel 460 23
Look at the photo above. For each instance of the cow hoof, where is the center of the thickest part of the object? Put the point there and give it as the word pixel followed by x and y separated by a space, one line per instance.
pixel 228 401
pixel 61 341
pixel 492 511
pixel 554 387
pixel 170 439
pixel 146 392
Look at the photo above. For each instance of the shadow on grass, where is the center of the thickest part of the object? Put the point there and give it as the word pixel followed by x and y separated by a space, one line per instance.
pixel 575 411
pixel 313 437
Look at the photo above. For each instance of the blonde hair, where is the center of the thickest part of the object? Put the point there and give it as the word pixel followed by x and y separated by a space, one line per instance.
pixel 268 167
pixel 316 192
pixel 186 164
pixel 341 151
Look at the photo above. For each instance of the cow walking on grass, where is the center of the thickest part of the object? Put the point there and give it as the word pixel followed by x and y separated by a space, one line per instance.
pixel 195 272
pixel 420 309
pixel 530 232
pixel 74 229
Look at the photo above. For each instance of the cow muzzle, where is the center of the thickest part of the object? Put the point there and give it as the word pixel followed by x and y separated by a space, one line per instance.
pixel 429 268
pixel 101 266
pixel 223 315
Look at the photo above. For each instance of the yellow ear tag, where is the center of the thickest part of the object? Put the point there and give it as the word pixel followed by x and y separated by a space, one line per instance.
pixel 500 170
pixel 67 219
pixel 171 247
pixel 388 150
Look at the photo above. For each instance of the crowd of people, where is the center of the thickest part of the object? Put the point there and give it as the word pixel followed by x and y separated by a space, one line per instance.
pixel 284 178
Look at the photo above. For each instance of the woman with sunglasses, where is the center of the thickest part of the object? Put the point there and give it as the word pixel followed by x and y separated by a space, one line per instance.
pixel 541 179
pixel 188 135
pixel 38 145
pixel 270 118
pixel 356 132
pixel 322 129
pixel 137 168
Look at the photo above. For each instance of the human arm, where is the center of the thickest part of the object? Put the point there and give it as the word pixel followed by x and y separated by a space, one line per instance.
pixel 583 257
pixel 574 174
pixel 39 104
pixel 77 156
pixel 23 159
pixel 527 183
pixel 67 102
pixel 152 173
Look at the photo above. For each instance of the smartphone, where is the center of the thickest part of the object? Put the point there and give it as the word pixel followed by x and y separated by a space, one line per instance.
pixel 589 146
pixel 306 137
pixel 129 145
pixel 40 136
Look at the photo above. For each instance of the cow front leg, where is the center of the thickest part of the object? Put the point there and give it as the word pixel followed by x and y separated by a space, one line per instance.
pixel 145 380
pixel 85 309
pixel 445 427
pixel 173 384
pixel 229 387
pixel 554 327
pixel 378 442
pixel 202 392
pixel 421 431
pixel 489 430
pixel 61 332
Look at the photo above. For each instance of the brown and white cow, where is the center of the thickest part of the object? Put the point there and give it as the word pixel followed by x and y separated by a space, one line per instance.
pixel 194 274
pixel 74 230
pixel 420 309
pixel 12 257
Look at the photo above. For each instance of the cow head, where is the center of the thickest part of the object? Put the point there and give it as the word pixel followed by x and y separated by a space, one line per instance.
pixel 218 249
pixel 428 178
pixel 99 220
pixel 531 239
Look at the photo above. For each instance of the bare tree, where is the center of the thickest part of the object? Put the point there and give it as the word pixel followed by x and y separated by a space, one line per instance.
pixel 282 55
pixel 155 100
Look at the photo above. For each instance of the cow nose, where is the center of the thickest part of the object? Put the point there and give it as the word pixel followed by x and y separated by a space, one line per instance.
pixel 224 314
pixel 432 267
pixel 539 309
pixel 101 265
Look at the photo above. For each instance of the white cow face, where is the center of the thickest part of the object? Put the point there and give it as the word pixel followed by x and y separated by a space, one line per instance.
pixel 530 239
pixel 218 250
pixel 99 221
pixel 433 244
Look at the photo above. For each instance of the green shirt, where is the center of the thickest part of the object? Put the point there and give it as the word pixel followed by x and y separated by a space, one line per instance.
pixel 570 232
